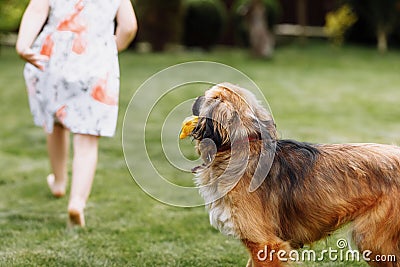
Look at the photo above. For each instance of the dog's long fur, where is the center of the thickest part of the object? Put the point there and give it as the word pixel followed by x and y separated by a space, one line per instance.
pixel 309 191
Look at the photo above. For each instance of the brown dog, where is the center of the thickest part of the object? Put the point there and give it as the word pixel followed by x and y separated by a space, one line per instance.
pixel 280 194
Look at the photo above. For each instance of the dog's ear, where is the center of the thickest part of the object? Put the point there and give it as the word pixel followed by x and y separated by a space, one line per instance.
pixel 267 133
pixel 211 132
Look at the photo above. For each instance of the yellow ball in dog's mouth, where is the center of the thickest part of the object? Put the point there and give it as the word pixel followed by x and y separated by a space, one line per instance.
pixel 188 126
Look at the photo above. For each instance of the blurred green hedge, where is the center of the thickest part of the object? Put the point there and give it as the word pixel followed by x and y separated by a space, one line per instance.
pixel 203 23
pixel 11 13
pixel 160 22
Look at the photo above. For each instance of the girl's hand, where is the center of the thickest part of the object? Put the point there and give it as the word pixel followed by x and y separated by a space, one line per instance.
pixel 32 21
pixel 35 59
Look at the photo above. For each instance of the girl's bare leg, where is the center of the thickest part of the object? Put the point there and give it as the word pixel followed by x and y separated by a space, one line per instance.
pixel 83 170
pixel 58 148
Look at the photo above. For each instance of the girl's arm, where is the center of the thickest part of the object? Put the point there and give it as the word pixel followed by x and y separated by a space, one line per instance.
pixel 32 21
pixel 126 25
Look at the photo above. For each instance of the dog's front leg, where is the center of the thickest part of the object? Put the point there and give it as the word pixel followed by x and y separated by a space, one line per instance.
pixel 268 254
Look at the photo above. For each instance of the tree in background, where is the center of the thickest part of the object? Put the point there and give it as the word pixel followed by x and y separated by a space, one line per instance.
pixel 382 16
pixel 253 23
pixel 261 39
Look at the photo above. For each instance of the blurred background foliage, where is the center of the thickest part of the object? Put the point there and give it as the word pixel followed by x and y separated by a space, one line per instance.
pixel 10 14
pixel 203 23
pixel 338 22
pixel 160 21
pixel 206 23
pixel 378 20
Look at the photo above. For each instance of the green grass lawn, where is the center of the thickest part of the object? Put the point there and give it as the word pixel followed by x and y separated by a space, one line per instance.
pixel 317 94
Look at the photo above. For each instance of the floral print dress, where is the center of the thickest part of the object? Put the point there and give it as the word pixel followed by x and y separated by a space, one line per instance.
pixel 79 86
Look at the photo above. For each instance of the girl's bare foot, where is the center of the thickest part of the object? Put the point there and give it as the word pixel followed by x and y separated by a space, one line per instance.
pixel 75 213
pixel 58 190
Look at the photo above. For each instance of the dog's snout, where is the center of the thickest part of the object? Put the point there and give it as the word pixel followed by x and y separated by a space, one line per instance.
pixel 196 106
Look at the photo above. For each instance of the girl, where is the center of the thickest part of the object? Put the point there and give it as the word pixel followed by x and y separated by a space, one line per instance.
pixel 72 79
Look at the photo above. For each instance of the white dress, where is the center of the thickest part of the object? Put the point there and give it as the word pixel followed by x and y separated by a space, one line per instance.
pixel 79 86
